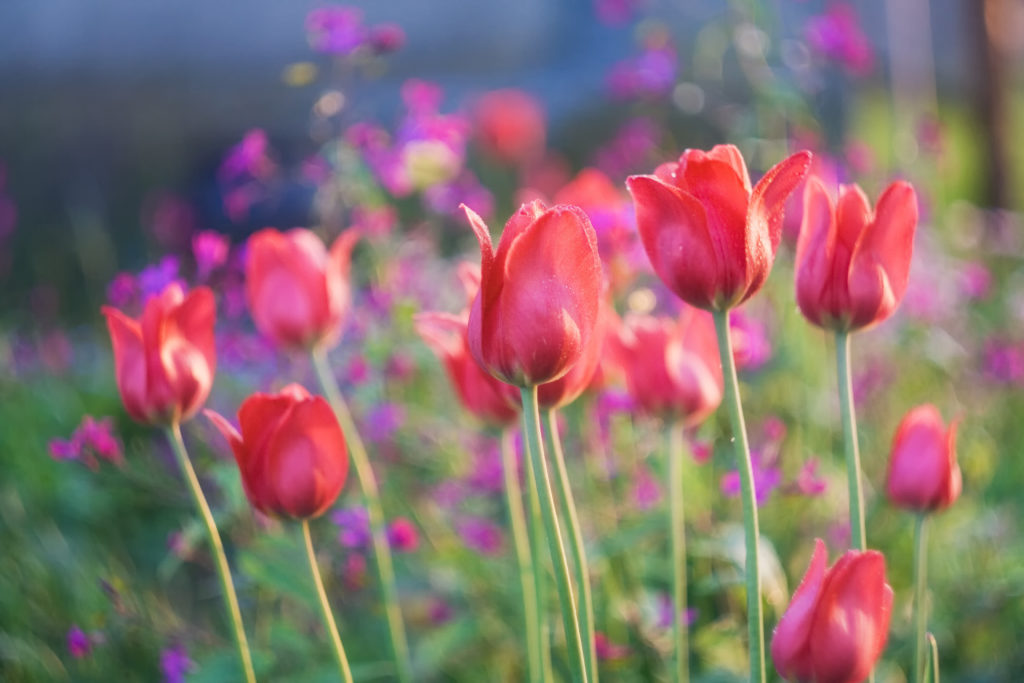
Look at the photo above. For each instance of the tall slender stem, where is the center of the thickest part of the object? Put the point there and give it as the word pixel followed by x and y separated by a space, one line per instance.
pixel 325 606
pixel 920 587
pixel 378 535
pixel 540 578
pixel 755 616
pixel 858 535
pixel 566 598
pixel 521 539
pixel 576 547
pixel 677 530
pixel 220 560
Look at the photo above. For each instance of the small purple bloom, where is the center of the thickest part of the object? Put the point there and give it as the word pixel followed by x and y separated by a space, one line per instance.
pixel 439 611
pixel 65 449
pixel 975 281
pixel 383 421
pixel 336 30
pixel 646 492
pixel 808 482
pixel 752 347
pixel 488 475
pixel 210 249
pixel 481 535
pixel 79 644
pixel 836 35
pixel 386 38
pixel 155 278
pixel 248 159
pixel 122 290
pixel 403 536
pixel 652 73
pixel 1004 362
pixel 175 663
pixel 353 526
pixel 666 613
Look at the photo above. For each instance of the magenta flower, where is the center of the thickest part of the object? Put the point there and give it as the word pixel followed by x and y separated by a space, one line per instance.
pixel 481 535
pixel 837 35
pixel 79 643
pixel 210 249
pixel 336 30
pixel 353 526
pixel 403 536
pixel 175 663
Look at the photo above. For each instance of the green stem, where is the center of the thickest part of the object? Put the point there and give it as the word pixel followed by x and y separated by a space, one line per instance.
pixel 540 583
pixel 576 547
pixel 755 616
pixel 933 659
pixel 220 560
pixel 521 539
pixel 676 454
pixel 858 535
pixel 378 534
pixel 920 587
pixel 566 599
pixel 325 606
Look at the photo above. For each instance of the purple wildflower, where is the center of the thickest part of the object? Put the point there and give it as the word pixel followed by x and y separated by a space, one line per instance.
pixel 403 536
pixel 79 643
pixel 210 249
pixel 336 30
pixel 353 527
pixel 481 535
pixel 175 663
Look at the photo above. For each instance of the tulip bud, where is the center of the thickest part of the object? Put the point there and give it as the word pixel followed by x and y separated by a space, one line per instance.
pixel 923 474
pixel 710 236
pixel 539 294
pixel 290 452
pixel 298 292
pixel 836 625
pixel 852 263
pixel 165 361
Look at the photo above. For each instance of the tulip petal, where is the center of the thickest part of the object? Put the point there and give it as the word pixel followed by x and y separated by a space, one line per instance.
pixel 674 230
pixel 790 646
pixel 730 154
pixel 188 355
pixel 880 267
pixel 814 251
pixel 922 471
pixel 483 236
pixel 129 361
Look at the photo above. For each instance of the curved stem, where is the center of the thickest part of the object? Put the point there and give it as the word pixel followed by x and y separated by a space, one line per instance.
pixel 540 582
pixel 325 606
pixel 521 539
pixel 858 535
pixel 220 560
pixel 755 616
pixel 566 598
pixel 378 535
pixel 576 547
pixel 677 529
pixel 920 587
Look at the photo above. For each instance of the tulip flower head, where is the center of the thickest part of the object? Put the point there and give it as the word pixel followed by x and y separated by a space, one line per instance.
pixel 539 294
pixel 298 291
pixel 290 452
pixel 710 236
pixel 852 263
pixel 923 473
pixel 837 623
pixel 165 360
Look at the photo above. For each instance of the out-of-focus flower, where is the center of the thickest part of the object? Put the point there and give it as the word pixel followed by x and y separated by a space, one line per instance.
pixel 122 290
pixel 386 38
pixel 539 296
pixel 298 292
pixel 509 126
pixel 766 479
pixel 836 34
pixel 290 452
pixel 975 281
pixel 336 30
pixel 646 492
pixel 402 535
pixel 354 572
pixel 79 643
pixel 836 625
pixel 375 222
pixel 923 473
pixel 711 236
pixel 383 420
pixel 165 361
pixel 852 263
pixel 808 482
pixel 175 663
pixel 156 278
pixel 440 611
pixel 91 438
pixel 249 159
pixel 1004 362
pixel 652 73
pixel 629 150
pixel 210 250
pixel 481 535
pixel 615 12
pixel 607 650
pixel 751 343
pixel 353 526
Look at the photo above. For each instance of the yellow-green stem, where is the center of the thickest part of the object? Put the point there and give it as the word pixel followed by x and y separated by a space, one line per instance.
pixel 755 615
pixel 521 540
pixel 920 589
pixel 325 606
pixel 539 555
pixel 378 534
pixel 677 529
pixel 552 531
pixel 220 560
pixel 576 547
pixel 858 535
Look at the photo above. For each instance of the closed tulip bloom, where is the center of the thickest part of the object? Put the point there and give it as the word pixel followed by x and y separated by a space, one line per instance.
pixel 569 386
pixel 710 236
pixel 290 452
pixel 923 472
pixel 837 623
pixel 165 360
pixel 852 263
pixel 539 295
pixel 298 291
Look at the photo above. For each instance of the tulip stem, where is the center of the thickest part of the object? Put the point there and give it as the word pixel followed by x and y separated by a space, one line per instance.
pixel 517 521
pixel 858 535
pixel 220 560
pixel 920 586
pixel 371 496
pixel 540 577
pixel 566 598
pixel 325 606
pixel 677 540
pixel 576 547
pixel 755 615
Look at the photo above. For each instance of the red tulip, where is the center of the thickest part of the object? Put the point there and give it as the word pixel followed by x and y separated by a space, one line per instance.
pixel 672 367
pixel 165 361
pixel 510 126
pixel 291 452
pixel 488 398
pixel 852 264
pixel 836 625
pixel 923 473
pixel 710 236
pixel 568 387
pixel 298 292
pixel 539 296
